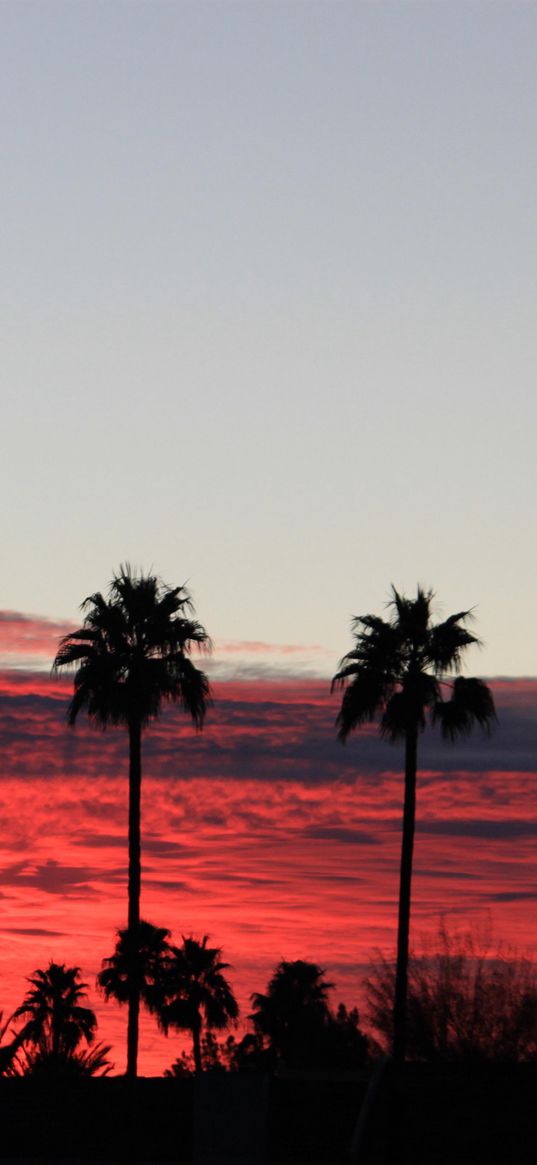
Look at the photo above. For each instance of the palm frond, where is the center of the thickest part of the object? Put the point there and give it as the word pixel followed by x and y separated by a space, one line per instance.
pixel 363 699
pixel 448 640
pixel 195 990
pixel 412 615
pixel 394 670
pixel 138 957
pixel 471 703
pixel 56 1019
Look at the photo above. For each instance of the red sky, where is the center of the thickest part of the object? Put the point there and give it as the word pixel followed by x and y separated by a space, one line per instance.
pixel 263 832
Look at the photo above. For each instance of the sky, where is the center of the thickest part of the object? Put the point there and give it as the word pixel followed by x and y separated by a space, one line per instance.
pixel 267 308
pixel 267 324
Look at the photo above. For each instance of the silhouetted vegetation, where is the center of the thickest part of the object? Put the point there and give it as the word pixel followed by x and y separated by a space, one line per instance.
pixel 57 1021
pixel 131 655
pixel 57 1024
pixel 216 1056
pixel 292 1024
pixel 196 996
pixel 295 1025
pixel 458 1001
pixel 401 672
pixel 468 1000
pixel 8 1049
pixel 139 957
pixel 65 1066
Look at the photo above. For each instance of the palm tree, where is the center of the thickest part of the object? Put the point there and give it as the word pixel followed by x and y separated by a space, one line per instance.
pixel 56 1019
pixel 402 672
pixel 131 655
pixel 142 961
pixel 196 995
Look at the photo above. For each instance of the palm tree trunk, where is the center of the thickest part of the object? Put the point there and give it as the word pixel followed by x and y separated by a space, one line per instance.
pixel 409 818
pixel 54 1029
pixel 135 786
pixel 196 1041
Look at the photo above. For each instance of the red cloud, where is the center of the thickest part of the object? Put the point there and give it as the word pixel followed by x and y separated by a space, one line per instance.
pixel 263 831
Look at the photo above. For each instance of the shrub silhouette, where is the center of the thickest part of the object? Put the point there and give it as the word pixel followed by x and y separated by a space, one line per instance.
pixel 293 1021
pixel 468 1000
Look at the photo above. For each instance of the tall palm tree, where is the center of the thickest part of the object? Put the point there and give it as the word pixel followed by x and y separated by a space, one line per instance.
pixel 131 655
pixel 196 993
pixel 56 1019
pixel 402 672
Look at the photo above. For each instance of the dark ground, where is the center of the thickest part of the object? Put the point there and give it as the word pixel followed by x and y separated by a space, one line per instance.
pixel 450 1116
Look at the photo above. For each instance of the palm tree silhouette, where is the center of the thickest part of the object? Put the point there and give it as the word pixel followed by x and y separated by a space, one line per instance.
pixel 401 671
pixel 56 1019
pixel 141 958
pixel 131 655
pixel 196 994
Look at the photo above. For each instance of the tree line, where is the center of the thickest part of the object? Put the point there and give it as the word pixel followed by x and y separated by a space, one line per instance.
pixel 468 1000
pixel 133 654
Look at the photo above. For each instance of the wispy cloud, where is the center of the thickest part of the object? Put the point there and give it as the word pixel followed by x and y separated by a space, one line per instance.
pixel 27 639
pixel 24 637
pixel 260 647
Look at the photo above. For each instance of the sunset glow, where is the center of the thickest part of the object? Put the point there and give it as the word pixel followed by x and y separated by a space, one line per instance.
pixel 262 831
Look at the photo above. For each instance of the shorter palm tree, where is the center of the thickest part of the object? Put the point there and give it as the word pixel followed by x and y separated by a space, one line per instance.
pixel 57 1021
pixel 196 996
pixel 139 958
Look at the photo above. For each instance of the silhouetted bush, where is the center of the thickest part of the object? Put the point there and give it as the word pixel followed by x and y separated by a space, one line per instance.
pixel 65 1066
pixel 468 999
pixel 294 1023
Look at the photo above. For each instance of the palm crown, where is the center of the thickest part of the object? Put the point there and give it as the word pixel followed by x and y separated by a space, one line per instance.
pixel 140 956
pixel 133 652
pixel 56 1020
pixel 196 992
pixel 402 669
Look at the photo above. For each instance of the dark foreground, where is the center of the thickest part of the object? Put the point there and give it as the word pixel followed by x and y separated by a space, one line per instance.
pixel 448 1116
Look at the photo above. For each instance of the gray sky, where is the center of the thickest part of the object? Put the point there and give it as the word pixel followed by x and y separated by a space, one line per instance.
pixel 268 287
